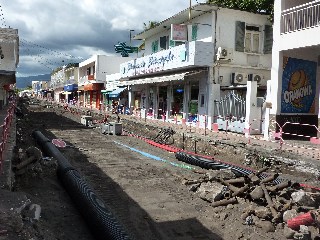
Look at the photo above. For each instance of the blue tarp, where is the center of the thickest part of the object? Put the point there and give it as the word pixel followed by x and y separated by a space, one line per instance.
pixel 115 93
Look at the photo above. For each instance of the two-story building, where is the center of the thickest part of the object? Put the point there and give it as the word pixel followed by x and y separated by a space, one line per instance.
pixel 9 59
pixel 92 78
pixel 197 57
pixel 294 89
pixel 40 88
pixel 71 77
pixel 57 82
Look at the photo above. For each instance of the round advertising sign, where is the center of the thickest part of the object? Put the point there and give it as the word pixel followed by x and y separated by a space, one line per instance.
pixel 59 143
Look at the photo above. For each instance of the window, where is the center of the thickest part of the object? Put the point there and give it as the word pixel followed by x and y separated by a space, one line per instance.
pixel 202 100
pixel 164 42
pixel 250 38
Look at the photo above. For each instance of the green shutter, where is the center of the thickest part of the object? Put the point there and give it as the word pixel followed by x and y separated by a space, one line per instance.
pixel 268 39
pixel 172 43
pixel 194 32
pixel 155 46
pixel 240 34
pixel 152 47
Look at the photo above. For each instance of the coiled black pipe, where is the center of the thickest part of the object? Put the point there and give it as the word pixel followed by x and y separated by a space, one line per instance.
pixel 217 165
pixel 98 216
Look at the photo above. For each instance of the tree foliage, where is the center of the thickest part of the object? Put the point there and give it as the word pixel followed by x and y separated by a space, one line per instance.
pixel 151 24
pixel 255 6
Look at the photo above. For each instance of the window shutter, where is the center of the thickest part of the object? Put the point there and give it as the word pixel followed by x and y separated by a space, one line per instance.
pixel 268 39
pixel 172 43
pixel 194 32
pixel 155 46
pixel 152 47
pixel 240 32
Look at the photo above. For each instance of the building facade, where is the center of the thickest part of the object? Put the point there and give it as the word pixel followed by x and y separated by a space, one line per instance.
pixel 293 94
pixel 9 59
pixel 92 78
pixel 197 57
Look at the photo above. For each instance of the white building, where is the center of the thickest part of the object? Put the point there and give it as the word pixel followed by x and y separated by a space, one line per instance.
pixel 294 89
pixel 195 58
pixel 9 59
pixel 92 77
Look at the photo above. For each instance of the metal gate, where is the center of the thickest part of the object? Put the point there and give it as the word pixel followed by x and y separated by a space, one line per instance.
pixel 231 112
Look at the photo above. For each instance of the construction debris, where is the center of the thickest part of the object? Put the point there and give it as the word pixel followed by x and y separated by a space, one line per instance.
pixel 274 204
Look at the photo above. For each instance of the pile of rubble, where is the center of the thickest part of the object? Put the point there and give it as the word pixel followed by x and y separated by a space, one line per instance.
pixel 31 163
pixel 272 204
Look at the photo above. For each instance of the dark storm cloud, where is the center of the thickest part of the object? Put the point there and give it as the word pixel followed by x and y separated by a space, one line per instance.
pixel 54 32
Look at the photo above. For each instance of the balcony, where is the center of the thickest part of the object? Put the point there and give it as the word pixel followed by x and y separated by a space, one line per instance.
pixel 301 17
pixel 190 54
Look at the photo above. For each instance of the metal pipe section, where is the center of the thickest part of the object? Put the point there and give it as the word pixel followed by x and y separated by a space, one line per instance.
pixel 98 216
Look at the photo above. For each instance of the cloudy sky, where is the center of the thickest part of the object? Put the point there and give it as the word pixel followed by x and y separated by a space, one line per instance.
pixel 53 33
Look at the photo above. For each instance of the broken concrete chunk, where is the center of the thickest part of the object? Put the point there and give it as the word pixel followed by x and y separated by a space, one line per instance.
pixel 257 193
pixel 302 198
pixel 210 191
pixel 301 236
pixel 288 232
pixel 265 225
pixel 289 214
pixel 215 175
pixel 262 212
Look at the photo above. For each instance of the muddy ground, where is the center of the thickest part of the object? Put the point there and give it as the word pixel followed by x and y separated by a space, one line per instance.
pixel 151 198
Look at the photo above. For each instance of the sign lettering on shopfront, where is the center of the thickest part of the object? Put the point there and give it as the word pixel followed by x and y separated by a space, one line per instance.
pixel 153 64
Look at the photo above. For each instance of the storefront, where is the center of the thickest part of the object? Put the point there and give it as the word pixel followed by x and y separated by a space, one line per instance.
pixel 92 95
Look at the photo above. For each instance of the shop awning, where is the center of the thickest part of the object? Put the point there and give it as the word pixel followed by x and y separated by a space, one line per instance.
pixel 115 93
pixel 166 78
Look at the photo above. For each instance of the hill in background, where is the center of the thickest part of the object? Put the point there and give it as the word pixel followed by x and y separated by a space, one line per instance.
pixel 24 82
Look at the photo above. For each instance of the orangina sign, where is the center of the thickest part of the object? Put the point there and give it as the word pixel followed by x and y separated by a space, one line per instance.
pixel 298 86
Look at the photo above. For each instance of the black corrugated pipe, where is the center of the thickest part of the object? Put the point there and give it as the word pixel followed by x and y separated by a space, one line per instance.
pixel 217 165
pixel 98 216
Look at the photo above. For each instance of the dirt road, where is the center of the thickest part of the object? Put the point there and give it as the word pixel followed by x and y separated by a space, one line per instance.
pixel 143 186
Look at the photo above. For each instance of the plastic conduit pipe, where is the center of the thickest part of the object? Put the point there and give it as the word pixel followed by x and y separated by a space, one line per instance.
pixel 98 216
pixel 236 169
pixel 211 164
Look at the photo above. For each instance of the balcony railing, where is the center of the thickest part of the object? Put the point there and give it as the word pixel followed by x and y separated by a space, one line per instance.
pixel 301 17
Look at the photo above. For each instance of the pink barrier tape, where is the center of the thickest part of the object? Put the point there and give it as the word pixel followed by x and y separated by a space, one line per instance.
pixel 248 131
pixel 5 131
pixel 312 140
pixel 176 149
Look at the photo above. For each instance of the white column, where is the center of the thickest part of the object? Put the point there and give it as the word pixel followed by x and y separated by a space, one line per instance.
pixel 252 111
pixel 130 98
pixel 156 101
pixel 186 100
pixel 169 100
pixel 267 115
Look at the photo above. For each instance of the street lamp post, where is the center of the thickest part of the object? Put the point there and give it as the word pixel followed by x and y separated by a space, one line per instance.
pixel 190 11
pixel 131 30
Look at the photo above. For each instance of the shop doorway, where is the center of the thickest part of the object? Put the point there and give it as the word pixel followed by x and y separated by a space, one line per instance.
pixel 177 103
pixel 162 101
pixel 194 102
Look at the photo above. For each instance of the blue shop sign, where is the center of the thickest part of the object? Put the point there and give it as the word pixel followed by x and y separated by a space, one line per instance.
pixel 70 87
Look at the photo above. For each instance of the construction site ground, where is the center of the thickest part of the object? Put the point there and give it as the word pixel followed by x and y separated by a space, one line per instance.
pixel 149 197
